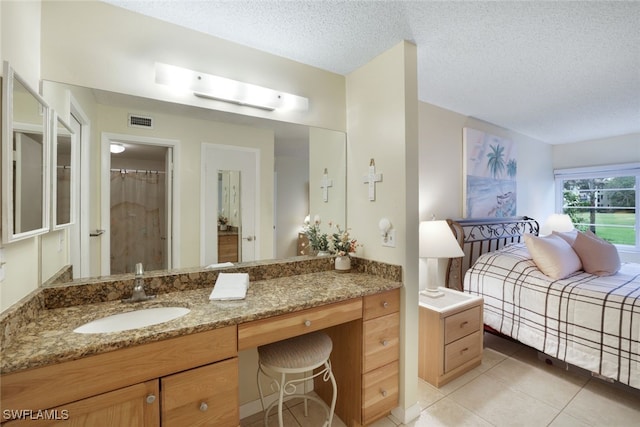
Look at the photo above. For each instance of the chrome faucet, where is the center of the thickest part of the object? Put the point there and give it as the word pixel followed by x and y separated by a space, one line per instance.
pixel 138 293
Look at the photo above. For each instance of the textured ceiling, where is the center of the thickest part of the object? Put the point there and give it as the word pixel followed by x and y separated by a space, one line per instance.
pixel 557 71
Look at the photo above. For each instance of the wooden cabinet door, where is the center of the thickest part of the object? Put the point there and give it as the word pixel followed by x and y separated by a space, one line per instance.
pixel 206 396
pixel 136 405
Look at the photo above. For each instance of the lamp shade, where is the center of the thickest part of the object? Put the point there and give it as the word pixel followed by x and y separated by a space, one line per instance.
pixel 437 241
pixel 557 222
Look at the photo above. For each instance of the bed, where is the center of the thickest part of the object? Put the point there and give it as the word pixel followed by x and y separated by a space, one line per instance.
pixel 584 320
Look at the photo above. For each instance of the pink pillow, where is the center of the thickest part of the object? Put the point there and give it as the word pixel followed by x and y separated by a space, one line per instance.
pixel 552 255
pixel 598 256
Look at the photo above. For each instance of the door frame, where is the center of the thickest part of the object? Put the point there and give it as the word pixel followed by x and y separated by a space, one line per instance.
pixel 204 151
pixel 173 196
pixel 79 232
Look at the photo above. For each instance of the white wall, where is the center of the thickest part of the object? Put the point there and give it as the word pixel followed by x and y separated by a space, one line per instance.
pixel 382 123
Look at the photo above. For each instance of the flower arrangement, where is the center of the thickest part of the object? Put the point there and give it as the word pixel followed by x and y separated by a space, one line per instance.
pixel 317 240
pixel 222 220
pixel 342 242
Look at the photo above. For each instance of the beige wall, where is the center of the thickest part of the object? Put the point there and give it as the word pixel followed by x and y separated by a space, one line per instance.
pixel 328 150
pixel 441 171
pixel 382 123
pixel 597 152
pixel 20 40
pixel 192 133
pixel 94 44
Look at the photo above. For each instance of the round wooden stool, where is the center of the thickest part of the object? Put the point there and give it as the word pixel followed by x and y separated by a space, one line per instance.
pixel 296 355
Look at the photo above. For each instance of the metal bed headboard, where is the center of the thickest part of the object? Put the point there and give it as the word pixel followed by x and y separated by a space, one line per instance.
pixel 479 236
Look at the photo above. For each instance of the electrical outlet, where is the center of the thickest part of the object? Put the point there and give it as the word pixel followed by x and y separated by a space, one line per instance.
pixel 390 239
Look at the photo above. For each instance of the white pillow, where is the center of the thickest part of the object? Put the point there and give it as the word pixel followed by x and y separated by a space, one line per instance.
pixel 598 256
pixel 553 255
pixel 567 236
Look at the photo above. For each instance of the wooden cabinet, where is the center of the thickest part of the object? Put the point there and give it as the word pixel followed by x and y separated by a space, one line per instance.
pixel 381 351
pixel 228 247
pixel 122 387
pixel 450 330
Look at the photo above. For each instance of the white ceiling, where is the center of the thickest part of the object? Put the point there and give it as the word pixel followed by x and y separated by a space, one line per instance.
pixel 557 71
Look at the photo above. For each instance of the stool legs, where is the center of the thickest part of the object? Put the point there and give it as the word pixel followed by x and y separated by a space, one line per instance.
pixel 286 389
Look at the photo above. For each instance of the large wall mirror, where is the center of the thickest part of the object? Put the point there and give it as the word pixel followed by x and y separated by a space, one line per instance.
pixel 300 156
pixel 63 156
pixel 25 159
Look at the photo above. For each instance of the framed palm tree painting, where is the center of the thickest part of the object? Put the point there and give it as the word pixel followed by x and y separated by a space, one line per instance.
pixel 490 167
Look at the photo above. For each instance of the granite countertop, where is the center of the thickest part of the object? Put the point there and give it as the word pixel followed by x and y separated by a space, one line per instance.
pixel 49 338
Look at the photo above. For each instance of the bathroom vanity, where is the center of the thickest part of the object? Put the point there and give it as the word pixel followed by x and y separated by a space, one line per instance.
pixel 185 371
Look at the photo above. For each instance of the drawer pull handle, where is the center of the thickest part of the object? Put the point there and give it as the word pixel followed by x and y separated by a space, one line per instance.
pixel 204 406
pixel 385 304
pixel 383 393
pixel 464 349
pixel 307 323
pixel 384 343
pixel 463 324
pixel 151 398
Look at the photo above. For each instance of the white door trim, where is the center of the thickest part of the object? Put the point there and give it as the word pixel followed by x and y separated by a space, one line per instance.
pixel 79 240
pixel 105 183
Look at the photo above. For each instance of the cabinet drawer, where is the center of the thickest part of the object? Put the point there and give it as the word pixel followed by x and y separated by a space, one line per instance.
pixel 202 396
pixel 381 304
pixel 379 392
pixel 458 325
pixel 264 331
pixel 459 352
pixel 381 341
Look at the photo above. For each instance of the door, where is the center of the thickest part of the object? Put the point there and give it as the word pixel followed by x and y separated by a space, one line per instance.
pixel 138 204
pixel 215 159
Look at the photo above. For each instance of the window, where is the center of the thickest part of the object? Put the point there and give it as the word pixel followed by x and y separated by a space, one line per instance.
pixel 603 200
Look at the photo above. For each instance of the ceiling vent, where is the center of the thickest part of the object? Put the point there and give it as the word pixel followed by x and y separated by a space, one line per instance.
pixel 136 121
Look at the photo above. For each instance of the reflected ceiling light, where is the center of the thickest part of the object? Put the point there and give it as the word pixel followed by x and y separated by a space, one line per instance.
pixel 116 148
pixel 222 89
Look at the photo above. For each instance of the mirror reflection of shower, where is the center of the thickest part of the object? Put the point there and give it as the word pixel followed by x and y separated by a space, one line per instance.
pixel 229 217
pixel 139 221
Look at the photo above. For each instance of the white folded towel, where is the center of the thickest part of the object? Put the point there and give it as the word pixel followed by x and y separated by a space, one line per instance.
pixel 221 264
pixel 230 286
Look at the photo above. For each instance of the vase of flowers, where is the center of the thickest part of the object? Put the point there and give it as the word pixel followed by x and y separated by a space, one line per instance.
pixel 343 245
pixel 223 222
pixel 318 240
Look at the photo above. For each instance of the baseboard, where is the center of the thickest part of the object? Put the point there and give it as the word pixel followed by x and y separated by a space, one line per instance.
pixel 405 416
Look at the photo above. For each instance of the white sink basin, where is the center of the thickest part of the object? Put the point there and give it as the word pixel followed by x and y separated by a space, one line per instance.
pixel 132 320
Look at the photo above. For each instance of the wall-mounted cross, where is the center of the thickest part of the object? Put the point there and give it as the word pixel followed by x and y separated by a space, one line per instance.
pixel 325 183
pixel 371 178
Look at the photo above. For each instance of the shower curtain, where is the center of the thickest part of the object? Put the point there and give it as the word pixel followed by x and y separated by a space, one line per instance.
pixel 138 221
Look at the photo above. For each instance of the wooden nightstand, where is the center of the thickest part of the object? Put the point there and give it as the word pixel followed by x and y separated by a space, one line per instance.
pixel 450 342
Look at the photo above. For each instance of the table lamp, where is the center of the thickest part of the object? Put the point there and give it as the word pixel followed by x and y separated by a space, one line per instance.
pixel 436 241
pixel 556 222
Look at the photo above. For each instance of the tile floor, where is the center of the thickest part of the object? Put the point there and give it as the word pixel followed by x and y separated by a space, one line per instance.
pixel 511 387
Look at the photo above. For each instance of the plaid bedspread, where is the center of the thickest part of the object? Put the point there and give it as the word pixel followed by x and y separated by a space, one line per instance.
pixel 589 321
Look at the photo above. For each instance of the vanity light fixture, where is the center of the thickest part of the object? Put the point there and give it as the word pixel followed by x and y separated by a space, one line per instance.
pixel 116 148
pixel 218 88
